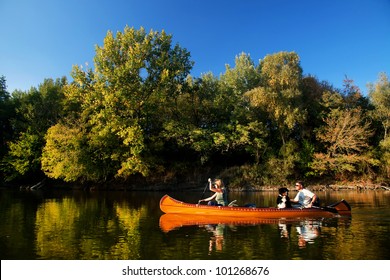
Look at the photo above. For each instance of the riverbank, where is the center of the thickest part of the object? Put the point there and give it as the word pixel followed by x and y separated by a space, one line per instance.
pixel 320 188
pixel 188 186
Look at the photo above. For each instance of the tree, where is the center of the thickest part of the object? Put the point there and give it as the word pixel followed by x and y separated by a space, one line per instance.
pixel 353 96
pixel 277 103
pixel 279 95
pixel 125 101
pixel 313 92
pixel 345 137
pixel 380 97
pixel 36 111
pixel 212 115
pixel 6 112
pixel 64 156
pixel 243 77
pixel 379 94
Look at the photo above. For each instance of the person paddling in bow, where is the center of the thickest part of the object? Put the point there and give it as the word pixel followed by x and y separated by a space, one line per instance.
pixel 219 196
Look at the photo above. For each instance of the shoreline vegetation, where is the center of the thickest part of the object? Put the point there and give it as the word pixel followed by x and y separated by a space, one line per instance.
pixel 47 184
pixel 138 119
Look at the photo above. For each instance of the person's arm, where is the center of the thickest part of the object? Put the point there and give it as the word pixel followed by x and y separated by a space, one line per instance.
pixel 288 202
pixel 214 189
pixel 313 199
pixel 209 198
pixel 295 199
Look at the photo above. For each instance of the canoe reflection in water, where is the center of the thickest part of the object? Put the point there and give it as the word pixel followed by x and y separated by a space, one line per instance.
pixel 307 230
pixel 169 222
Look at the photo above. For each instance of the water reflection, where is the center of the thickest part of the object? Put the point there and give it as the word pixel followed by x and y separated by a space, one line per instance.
pixel 217 239
pixel 68 229
pixel 284 228
pixel 299 231
pixel 308 231
pixel 126 225
pixel 169 222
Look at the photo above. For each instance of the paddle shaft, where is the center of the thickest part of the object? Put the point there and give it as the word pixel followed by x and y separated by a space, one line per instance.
pixel 207 184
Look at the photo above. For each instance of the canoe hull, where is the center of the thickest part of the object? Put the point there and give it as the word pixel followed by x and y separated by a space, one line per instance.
pixel 170 205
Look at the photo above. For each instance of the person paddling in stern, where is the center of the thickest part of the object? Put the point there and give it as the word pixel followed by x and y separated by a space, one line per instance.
pixel 219 196
pixel 304 197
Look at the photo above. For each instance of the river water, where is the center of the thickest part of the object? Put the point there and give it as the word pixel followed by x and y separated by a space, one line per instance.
pixel 76 225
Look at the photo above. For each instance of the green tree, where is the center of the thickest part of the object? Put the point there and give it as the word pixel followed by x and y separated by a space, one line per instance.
pixel 212 115
pixel 36 111
pixel 244 76
pixel 313 92
pixel 238 131
pixel 279 95
pixel 379 94
pixel 278 104
pixel 6 112
pixel 124 102
pixel 353 96
pixel 64 156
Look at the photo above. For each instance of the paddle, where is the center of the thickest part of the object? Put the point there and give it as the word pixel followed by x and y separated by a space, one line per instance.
pixel 207 184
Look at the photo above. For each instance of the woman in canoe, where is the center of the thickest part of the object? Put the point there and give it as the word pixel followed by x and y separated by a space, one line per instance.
pixel 219 196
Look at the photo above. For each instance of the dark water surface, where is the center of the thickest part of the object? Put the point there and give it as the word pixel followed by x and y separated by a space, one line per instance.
pixel 75 225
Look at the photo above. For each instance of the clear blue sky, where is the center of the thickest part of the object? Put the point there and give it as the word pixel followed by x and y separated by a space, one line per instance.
pixel 44 38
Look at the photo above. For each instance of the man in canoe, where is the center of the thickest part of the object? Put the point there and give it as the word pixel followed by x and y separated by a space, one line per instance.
pixel 219 196
pixel 304 197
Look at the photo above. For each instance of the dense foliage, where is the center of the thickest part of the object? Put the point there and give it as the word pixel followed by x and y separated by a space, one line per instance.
pixel 138 113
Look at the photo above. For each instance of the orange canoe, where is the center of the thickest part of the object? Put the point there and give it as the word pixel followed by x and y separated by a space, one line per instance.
pixel 170 205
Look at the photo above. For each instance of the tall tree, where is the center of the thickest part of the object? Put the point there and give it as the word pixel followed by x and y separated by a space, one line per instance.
pixel 36 110
pixel 124 101
pixel 220 124
pixel 353 96
pixel 279 95
pixel 277 102
pixel 244 76
pixel 6 111
pixel 379 94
